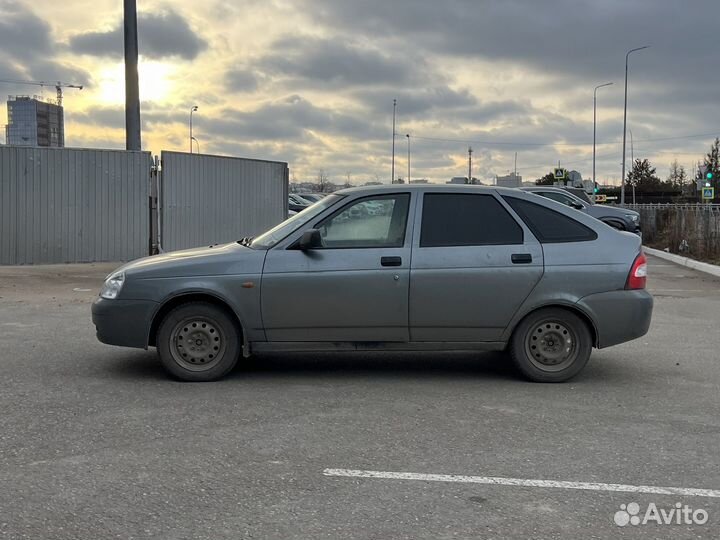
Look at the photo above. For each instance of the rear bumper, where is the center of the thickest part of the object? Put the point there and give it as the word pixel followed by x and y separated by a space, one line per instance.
pixel 125 323
pixel 619 316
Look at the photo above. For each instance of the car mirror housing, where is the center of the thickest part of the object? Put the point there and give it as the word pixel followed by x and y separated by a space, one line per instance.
pixel 310 239
pixel 577 205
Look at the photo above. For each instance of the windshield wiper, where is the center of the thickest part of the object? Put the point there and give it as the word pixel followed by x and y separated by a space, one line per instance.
pixel 245 241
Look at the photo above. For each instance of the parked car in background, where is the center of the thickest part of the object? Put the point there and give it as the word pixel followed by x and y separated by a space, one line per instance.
pixel 443 268
pixel 622 219
pixel 312 198
pixel 296 203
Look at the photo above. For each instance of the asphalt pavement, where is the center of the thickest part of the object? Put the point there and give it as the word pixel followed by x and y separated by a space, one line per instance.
pixel 96 442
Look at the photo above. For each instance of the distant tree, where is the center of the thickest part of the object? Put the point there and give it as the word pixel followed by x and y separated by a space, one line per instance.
pixel 547 180
pixel 712 159
pixel 643 176
pixel 678 176
pixel 322 182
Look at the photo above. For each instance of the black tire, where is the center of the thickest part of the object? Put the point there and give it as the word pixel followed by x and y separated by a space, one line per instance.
pixel 198 341
pixel 551 345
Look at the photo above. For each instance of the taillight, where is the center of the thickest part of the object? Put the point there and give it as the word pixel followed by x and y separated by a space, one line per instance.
pixel 638 273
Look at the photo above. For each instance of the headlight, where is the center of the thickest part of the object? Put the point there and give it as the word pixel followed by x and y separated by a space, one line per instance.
pixel 634 217
pixel 112 286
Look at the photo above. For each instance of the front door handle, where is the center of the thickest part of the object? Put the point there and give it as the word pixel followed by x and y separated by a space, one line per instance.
pixel 391 261
pixel 521 258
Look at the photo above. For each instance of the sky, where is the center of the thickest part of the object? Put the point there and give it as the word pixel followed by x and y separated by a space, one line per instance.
pixel 311 82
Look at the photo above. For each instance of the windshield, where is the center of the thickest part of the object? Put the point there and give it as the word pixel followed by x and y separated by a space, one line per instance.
pixel 281 230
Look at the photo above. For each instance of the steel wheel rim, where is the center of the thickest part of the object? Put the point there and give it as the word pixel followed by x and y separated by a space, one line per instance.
pixel 197 343
pixel 551 346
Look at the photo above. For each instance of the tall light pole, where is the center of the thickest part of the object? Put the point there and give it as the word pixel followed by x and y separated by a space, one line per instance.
pixel 132 89
pixel 196 142
pixel 408 139
pixel 595 124
pixel 632 159
pixel 622 189
pixel 392 173
pixel 192 110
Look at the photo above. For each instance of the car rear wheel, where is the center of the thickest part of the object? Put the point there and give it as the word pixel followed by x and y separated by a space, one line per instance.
pixel 198 341
pixel 551 345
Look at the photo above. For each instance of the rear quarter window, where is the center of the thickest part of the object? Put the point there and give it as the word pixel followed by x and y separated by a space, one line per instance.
pixel 549 226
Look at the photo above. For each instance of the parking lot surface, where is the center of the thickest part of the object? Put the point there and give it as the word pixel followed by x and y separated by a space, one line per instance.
pixel 96 442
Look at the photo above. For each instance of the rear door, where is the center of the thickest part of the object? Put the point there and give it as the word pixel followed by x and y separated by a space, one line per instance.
pixel 473 265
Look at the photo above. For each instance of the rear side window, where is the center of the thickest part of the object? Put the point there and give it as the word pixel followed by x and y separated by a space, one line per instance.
pixel 466 219
pixel 549 226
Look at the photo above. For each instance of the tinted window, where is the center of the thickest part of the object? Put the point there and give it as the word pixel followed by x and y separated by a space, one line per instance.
pixel 370 222
pixel 548 225
pixel 559 197
pixel 459 219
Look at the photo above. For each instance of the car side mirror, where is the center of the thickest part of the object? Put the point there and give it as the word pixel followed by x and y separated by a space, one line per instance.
pixel 577 205
pixel 310 239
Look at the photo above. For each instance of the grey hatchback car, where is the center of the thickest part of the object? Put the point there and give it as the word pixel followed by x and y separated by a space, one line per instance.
pixel 622 219
pixel 391 268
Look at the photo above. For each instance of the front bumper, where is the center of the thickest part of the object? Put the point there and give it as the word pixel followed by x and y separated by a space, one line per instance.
pixel 125 323
pixel 619 316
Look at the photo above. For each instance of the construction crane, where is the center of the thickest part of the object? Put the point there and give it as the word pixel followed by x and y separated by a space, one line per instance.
pixel 58 86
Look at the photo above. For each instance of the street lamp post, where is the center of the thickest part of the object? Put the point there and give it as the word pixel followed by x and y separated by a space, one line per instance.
pixel 196 142
pixel 622 189
pixel 192 110
pixel 595 124
pixel 392 173
pixel 408 175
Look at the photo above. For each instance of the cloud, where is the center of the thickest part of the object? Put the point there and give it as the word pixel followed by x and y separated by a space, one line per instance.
pixel 338 63
pixel 160 35
pixel 290 118
pixel 23 35
pixel 241 80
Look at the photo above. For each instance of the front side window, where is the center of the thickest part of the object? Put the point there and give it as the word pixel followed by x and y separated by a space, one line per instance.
pixel 549 226
pixel 280 231
pixel 365 223
pixel 466 219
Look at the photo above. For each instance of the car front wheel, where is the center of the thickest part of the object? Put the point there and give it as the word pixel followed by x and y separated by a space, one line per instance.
pixel 551 345
pixel 198 341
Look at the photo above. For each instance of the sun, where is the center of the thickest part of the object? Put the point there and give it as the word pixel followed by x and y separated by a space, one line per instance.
pixel 154 79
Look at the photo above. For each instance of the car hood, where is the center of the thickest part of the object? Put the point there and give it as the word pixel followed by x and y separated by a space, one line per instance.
pixel 220 259
pixel 611 211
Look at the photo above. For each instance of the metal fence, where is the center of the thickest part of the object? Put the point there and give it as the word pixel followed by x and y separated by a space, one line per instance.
pixel 690 229
pixel 208 199
pixel 63 205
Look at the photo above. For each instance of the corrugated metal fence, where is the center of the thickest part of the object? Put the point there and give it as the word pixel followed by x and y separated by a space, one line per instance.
pixel 62 205
pixel 66 205
pixel 690 229
pixel 208 199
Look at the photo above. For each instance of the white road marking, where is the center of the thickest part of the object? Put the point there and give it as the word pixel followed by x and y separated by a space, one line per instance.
pixel 523 482
pixel 80 289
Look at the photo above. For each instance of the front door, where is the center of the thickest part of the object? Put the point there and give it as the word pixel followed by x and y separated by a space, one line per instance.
pixel 353 288
pixel 473 266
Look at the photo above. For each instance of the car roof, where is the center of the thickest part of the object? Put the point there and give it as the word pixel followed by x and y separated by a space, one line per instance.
pixel 394 188
pixel 544 188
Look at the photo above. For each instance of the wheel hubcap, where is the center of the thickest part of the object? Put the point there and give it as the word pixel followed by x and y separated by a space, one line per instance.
pixel 197 344
pixel 551 346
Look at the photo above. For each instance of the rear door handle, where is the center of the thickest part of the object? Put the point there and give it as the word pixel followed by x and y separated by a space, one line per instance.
pixel 391 261
pixel 521 258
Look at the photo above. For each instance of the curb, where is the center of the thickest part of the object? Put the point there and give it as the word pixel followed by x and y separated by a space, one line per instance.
pixel 706 268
